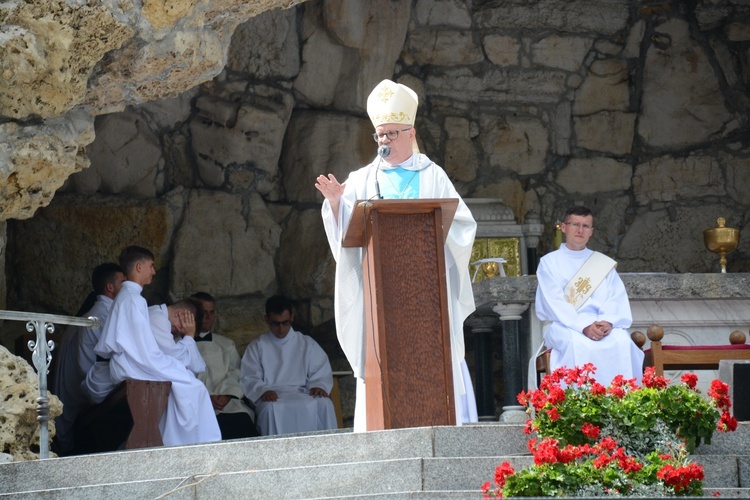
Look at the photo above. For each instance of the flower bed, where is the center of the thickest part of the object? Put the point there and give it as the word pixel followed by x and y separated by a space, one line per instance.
pixel 622 440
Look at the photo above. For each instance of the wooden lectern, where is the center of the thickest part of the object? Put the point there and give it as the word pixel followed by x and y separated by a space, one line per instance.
pixel 408 364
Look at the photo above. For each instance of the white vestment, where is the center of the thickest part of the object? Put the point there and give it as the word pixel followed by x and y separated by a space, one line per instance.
pixel 76 356
pixel 184 350
pixel 290 366
pixel 349 293
pixel 615 354
pixel 129 343
pixel 222 375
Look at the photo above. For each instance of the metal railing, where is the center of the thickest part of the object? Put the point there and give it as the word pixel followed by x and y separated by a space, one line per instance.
pixel 42 357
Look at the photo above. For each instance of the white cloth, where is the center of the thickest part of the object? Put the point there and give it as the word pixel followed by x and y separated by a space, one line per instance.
pixel 76 356
pixel 183 350
pixel 222 375
pixel 349 293
pixel 615 353
pixel 129 343
pixel 290 366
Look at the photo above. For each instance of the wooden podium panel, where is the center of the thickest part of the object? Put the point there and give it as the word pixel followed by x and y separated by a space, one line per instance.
pixel 408 368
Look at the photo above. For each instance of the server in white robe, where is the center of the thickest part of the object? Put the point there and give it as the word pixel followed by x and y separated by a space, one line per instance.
pixel 288 377
pixel 76 354
pixel 129 344
pixel 222 376
pixel 593 331
pixel 178 319
pixel 399 171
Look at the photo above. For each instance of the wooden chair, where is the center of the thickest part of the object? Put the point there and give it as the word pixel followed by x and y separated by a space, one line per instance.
pixel 130 414
pixel 692 357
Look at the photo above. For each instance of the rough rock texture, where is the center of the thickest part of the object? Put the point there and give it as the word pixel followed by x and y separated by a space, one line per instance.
pixel 19 388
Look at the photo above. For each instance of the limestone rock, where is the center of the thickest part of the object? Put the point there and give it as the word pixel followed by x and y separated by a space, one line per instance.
pixel 442 48
pixel 309 273
pixel 605 88
pixel 95 228
pixel 266 46
pixel 126 158
pixel 682 101
pixel 241 319
pixel 608 132
pixel 239 133
pixel 460 153
pixel 225 244
pixel 502 50
pixel 517 144
pixel 49 49
pixel 671 239
pixel 500 85
pixel 603 16
pixel 19 388
pixel 512 194
pixel 562 52
pixel 451 13
pixel 595 175
pixel 349 47
pixel 36 160
pixel 322 143
pixel 675 179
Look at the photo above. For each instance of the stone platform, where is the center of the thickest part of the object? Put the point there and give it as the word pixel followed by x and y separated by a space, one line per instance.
pixel 428 462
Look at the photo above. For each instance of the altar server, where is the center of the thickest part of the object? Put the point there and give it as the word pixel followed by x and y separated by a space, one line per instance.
pixel 288 377
pixel 129 344
pixel 584 302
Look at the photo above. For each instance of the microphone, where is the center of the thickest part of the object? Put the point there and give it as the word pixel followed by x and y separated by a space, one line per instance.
pixel 383 152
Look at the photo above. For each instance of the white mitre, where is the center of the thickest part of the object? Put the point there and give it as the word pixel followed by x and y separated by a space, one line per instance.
pixel 392 102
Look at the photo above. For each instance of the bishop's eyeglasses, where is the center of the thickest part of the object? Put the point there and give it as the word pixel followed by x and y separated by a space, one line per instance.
pixel 391 134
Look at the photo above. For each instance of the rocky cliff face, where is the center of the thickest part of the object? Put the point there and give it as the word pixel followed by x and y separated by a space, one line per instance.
pixel 205 124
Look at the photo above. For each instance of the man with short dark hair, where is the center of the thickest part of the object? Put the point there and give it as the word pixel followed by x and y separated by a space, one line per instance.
pixel 584 301
pixel 288 377
pixel 222 375
pixel 128 342
pixel 76 354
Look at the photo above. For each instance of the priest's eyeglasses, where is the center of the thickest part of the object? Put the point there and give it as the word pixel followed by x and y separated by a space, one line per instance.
pixel 391 134
pixel 276 324
pixel 578 225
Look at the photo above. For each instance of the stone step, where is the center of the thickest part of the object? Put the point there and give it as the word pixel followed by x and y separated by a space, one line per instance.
pixel 264 453
pixel 327 465
pixel 406 478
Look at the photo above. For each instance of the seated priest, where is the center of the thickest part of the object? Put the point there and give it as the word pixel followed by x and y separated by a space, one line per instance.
pixel 288 377
pixel 222 376
pixel 585 306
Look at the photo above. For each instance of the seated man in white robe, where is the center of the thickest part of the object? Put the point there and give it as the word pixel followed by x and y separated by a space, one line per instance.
pixel 222 376
pixel 288 377
pixel 178 320
pixel 584 300
pixel 76 354
pixel 128 342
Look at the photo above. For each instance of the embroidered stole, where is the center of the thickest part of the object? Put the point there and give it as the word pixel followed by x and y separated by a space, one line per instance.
pixel 588 278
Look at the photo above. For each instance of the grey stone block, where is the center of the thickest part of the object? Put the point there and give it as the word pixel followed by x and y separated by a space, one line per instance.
pixel 720 471
pixel 486 440
pixel 465 473
pixel 727 443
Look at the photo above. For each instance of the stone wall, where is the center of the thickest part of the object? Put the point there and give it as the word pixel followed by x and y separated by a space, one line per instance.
pixel 636 109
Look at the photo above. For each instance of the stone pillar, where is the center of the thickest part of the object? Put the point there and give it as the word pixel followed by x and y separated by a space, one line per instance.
pixel 513 365
pixel 482 327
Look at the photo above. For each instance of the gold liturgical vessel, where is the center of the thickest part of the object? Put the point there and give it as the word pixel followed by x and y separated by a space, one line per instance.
pixel 721 240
